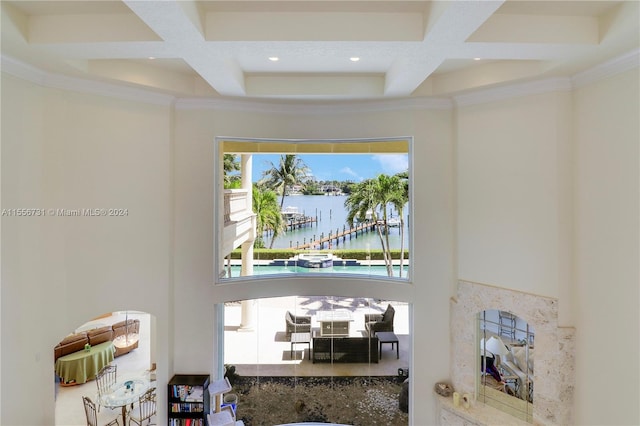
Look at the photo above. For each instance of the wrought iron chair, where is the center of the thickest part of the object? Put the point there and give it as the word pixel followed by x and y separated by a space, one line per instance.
pixel 92 415
pixel 297 323
pixel 379 322
pixel 147 408
pixel 105 379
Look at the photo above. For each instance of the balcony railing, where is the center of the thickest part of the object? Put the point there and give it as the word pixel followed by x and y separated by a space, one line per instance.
pixel 236 205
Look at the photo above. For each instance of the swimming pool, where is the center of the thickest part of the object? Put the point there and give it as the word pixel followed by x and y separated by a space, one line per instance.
pixel 377 270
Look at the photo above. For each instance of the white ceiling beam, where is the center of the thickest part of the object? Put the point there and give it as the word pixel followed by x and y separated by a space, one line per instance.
pixel 168 19
pixel 180 26
pixel 452 27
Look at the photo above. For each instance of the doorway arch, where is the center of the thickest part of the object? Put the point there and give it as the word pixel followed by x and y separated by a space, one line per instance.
pixel 69 409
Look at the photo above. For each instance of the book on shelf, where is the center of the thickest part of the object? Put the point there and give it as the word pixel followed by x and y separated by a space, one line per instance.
pixel 186 407
pixel 186 422
pixel 187 393
pixel 196 394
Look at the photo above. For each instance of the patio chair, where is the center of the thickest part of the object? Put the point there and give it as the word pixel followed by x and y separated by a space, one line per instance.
pixel 105 379
pixel 92 416
pixel 379 322
pixel 297 323
pixel 147 408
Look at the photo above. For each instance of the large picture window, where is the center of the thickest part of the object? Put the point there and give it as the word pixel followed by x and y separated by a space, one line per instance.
pixel 339 360
pixel 313 207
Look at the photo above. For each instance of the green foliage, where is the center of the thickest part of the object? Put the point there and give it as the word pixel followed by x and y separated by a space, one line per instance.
pixel 234 182
pixel 311 187
pixel 374 197
pixel 290 171
pixel 268 217
pixel 231 167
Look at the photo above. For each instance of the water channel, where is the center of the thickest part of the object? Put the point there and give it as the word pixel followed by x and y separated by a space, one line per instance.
pixel 331 216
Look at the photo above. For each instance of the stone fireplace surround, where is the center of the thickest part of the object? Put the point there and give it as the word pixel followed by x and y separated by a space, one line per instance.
pixel 554 347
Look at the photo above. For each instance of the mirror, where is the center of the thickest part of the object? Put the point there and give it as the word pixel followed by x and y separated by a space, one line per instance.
pixel 506 366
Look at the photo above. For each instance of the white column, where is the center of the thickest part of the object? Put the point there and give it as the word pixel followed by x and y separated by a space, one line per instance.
pixel 246 170
pixel 247 259
pixel 247 320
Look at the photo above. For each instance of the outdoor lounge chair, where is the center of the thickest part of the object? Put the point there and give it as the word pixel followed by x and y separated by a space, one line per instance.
pixel 297 323
pixel 379 322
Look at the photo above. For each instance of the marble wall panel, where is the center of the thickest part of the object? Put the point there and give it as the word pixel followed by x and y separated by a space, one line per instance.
pixel 554 346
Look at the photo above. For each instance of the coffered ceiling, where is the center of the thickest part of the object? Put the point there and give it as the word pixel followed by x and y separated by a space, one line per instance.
pixel 403 48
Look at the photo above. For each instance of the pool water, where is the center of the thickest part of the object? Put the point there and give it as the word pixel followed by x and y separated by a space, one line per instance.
pixel 377 270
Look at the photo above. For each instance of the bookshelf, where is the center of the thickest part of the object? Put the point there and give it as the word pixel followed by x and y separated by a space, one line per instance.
pixel 188 398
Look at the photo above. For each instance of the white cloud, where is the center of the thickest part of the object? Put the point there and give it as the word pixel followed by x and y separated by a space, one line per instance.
pixel 348 171
pixel 392 163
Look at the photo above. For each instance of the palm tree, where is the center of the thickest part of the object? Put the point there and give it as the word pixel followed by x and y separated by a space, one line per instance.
pixel 268 216
pixel 374 195
pixel 231 165
pixel 399 199
pixel 291 170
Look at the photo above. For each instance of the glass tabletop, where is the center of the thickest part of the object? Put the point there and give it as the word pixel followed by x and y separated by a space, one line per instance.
pixel 125 391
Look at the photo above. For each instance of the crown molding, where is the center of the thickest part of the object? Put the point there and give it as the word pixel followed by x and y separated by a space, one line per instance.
pixel 284 107
pixel 22 70
pixel 37 76
pixel 43 78
pixel 610 68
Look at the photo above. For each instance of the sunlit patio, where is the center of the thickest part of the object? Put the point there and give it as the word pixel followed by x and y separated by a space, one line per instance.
pixel 264 349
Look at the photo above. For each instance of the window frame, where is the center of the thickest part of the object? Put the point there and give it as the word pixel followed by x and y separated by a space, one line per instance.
pixel 388 145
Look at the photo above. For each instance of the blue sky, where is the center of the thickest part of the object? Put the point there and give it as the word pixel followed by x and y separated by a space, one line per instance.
pixel 355 167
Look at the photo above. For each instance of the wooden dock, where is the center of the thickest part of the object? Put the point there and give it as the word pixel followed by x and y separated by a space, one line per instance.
pixel 299 223
pixel 318 244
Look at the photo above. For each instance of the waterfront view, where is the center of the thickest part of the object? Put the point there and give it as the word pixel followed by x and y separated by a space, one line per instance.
pixel 331 216
pixel 318 212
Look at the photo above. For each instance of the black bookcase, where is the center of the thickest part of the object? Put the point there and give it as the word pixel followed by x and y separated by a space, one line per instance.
pixel 189 400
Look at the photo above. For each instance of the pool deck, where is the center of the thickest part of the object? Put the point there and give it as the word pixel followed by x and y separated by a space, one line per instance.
pixel 266 351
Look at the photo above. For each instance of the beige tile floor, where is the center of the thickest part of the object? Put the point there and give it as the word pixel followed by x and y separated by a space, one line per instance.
pixel 264 351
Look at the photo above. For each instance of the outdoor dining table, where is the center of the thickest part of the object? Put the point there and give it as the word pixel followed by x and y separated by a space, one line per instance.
pixel 125 391
pixel 84 365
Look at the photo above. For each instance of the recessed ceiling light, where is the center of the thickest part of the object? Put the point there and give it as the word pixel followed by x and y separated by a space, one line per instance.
pixel 274 58
pixel 354 59
pixel 152 57
pixel 476 59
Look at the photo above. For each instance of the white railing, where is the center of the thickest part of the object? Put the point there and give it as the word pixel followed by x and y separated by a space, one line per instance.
pixel 236 204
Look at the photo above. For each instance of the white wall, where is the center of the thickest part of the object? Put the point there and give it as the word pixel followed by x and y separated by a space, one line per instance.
pixel 607 254
pixel 514 195
pixel 66 150
pixel 511 166
pixel 433 232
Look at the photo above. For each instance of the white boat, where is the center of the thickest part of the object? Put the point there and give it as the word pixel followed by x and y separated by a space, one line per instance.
pixel 291 212
pixel 394 222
